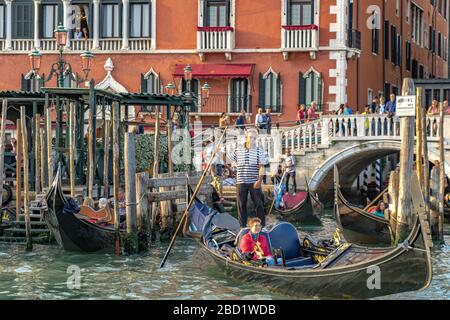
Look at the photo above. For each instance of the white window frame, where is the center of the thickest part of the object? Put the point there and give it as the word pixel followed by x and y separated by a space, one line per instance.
pixel 147 76
pixel 110 34
pixel 148 6
pixel 55 19
pixel 201 10
pixel 2 20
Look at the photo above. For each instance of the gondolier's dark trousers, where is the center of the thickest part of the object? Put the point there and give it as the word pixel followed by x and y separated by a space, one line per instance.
pixel 294 183
pixel 242 196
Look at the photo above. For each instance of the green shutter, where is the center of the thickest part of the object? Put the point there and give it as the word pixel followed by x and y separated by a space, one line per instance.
pixel 143 84
pixel 262 90
pixel 301 89
pixel 319 93
pixel 228 13
pixel 158 84
pixel 278 102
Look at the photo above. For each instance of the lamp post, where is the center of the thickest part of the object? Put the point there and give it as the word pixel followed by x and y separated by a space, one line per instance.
pixel 61 67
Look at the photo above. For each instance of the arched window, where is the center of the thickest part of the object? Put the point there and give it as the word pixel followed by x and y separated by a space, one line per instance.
pixel 32 82
pixel 310 88
pixel 270 90
pixel 150 82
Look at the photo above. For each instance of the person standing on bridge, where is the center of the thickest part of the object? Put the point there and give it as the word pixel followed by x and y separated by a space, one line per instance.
pixel 446 107
pixel 312 111
pixel 347 110
pixel 249 160
pixel 301 114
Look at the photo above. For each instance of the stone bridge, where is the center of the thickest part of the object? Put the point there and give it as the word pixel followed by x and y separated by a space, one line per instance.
pixel 352 142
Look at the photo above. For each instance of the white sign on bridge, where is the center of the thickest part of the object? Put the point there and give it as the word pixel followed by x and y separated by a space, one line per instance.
pixel 406 106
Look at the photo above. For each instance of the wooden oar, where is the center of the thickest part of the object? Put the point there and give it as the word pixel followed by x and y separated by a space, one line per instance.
pixel 275 197
pixel 376 199
pixel 211 160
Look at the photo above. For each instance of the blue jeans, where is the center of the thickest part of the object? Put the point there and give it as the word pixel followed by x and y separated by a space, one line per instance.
pixel 271 261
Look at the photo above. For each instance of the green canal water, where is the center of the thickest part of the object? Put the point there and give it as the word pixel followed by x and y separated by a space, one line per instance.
pixel 43 274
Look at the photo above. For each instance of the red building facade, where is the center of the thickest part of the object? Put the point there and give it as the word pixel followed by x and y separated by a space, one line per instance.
pixel 266 53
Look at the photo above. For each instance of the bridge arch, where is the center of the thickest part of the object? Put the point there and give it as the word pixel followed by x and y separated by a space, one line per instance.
pixel 352 160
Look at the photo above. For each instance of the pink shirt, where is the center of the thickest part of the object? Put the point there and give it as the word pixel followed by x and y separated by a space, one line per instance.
pixel 311 114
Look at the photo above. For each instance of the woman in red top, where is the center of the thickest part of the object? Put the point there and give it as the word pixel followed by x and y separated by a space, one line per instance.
pixel 301 114
pixel 255 245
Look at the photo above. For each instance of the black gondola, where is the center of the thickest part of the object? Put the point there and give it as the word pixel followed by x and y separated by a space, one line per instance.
pixel 358 225
pixel 72 231
pixel 304 206
pixel 349 271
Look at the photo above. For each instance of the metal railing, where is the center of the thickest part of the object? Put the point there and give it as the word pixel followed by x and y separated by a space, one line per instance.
pixel 218 103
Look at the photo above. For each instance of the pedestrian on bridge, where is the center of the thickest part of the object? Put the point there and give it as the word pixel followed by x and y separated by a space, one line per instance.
pixel 301 114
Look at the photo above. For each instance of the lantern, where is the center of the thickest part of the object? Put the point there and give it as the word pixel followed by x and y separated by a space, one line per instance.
pixel 205 90
pixel 188 73
pixel 35 60
pixel 86 61
pixel 171 88
pixel 61 35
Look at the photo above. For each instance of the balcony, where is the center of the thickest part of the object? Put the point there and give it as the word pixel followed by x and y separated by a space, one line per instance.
pixel 215 39
pixel 218 103
pixel 300 38
pixel 78 45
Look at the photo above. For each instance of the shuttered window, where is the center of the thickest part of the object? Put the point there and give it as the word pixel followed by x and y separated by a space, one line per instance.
pixel 386 40
pixel 150 83
pixel 300 12
pixel 22 18
pixel 49 20
pixel 239 95
pixel 408 56
pixel 375 33
pixel 393 44
pixel 2 21
pixel 31 83
pixel 270 91
pixel 110 21
pixel 217 13
pixel 310 89
pixel 139 20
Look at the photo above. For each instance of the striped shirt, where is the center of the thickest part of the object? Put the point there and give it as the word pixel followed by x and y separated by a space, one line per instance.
pixel 247 163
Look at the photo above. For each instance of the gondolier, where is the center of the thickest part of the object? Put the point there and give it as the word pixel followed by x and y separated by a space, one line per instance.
pixel 249 161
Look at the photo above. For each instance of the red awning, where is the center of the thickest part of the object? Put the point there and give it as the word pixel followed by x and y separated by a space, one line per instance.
pixel 216 70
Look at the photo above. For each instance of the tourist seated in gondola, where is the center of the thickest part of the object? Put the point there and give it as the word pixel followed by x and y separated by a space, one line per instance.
pixel 379 211
pixel 254 246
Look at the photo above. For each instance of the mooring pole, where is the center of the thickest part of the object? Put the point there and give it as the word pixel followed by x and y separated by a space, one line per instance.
pixel 406 168
pixel 142 210
pixel 2 144
pixel 155 205
pixel 42 156
pixel 442 177
pixel 130 243
pixel 37 155
pixel 72 148
pixel 116 177
pixel 48 122
pixel 18 168
pixel 419 137
pixel 91 141
pixel 26 203
pixel 107 129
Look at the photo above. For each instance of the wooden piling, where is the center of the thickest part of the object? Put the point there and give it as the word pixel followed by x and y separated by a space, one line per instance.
pixel 393 199
pixel 165 206
pixel 91 141
pixel 406 167
pixel 116 170
pixel 442 176
pixel 107 129
pixel 142 211
pixel 48 122
pixel 18 168
pixel 72 148
pixel 2 144
pixel 37 155
pixel 130 243
pixel 155 205
pixel 26 202
pixel 425 164
pixel 419 137
pixel 42 156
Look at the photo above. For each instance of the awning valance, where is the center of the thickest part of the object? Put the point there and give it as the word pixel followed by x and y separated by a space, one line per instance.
pixel 216 70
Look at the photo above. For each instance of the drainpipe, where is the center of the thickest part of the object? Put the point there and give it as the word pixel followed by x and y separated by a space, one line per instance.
pixel 384 47
pixel 357 60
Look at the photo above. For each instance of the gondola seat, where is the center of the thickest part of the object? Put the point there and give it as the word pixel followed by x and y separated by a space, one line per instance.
pixel 284 236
